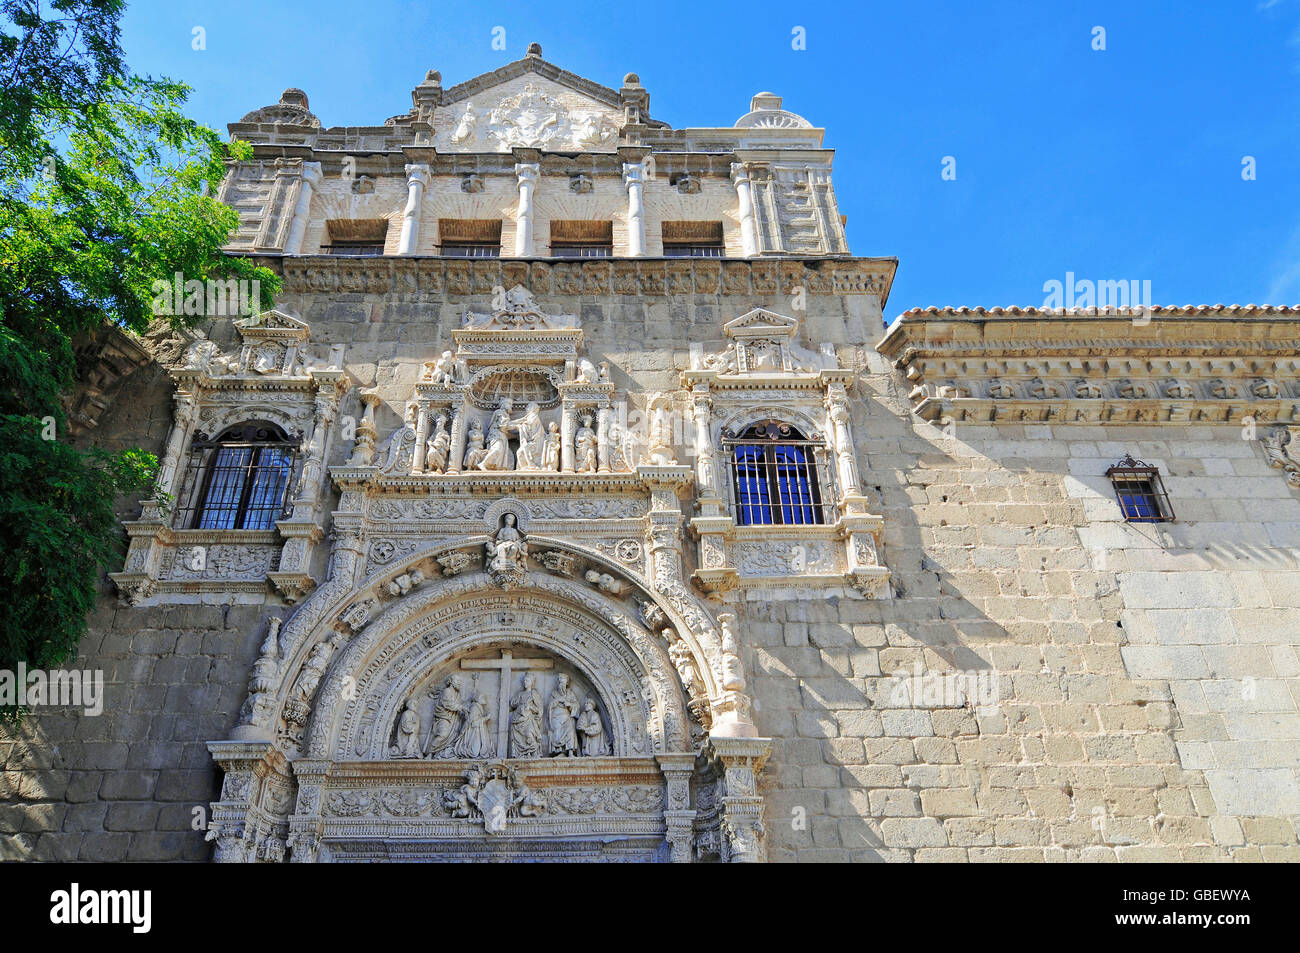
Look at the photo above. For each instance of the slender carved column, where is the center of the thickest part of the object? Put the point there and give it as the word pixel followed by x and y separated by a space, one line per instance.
pixel 184 412
pixel 314 452
pixel 678 814
pixel 527 173
pixel 745 196
pixel 634 178
pixel 421 435
pixel 602 437
pixel 566 437
pixel 456 455
pixel 311 176
pixel 417 177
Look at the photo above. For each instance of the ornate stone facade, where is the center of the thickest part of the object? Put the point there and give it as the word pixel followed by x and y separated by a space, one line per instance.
pixel 652 556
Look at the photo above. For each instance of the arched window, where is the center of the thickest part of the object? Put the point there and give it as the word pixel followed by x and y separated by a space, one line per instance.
pixel 245 477
pixel 777 476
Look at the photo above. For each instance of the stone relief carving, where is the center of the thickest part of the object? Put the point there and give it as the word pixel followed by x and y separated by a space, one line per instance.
pixel 508 554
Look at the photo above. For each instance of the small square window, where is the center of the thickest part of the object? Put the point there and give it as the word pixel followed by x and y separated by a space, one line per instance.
pixel 1140 492
pixel 692 239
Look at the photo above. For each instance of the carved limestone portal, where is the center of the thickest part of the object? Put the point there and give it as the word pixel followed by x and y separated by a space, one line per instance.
pixel 504 659
pixel 780 498
pixel 275 380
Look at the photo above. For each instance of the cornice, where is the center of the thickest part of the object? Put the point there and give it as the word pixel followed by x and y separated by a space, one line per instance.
pixel 651 277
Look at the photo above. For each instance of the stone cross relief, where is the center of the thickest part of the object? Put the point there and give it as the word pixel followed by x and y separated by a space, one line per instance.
pixel 467 722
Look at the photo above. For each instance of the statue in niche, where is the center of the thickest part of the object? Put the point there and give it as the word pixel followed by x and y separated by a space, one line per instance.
pixel 551 455
pixel 584 447
pixel 408 732
pixel 661 431
pixel 592 731
pixel 435 456
pixel 476 740
pixel 733 671
pixel 532 439
pixel 499 456
pixel 474 450
pixel 526 720
pixel 448 716
pixel 508 553
pixel 561 713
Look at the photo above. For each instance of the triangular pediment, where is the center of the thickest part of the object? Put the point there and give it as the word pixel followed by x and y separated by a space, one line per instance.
pixel 273 324
pixel 761 322
pixel 531 104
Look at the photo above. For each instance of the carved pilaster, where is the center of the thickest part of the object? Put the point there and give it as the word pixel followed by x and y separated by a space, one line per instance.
pixel 421 435
pixel 745 199
pixel 679 816
pixel 741 761
pixel 527 173
pixel 603 414
pixel 417 177
pixel 567 424
pixel 459 423
pixel 634 179
pixel 311 177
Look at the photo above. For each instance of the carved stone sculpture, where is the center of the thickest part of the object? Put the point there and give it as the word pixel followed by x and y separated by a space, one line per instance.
pixel 498 455
pixel 476 741
pixel 448 718
pixel 562 713
pixel 585 447
pixel 592 731
pixel 508 554
pixel 408 732
pixel 526 719
pixel 435 457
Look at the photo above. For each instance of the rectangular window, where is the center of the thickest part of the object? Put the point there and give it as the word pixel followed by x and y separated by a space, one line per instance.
pixel 1140 492
pixel 582 239
pixel 469 237
pixel 692 239
pixel 778 482
pixel 355 236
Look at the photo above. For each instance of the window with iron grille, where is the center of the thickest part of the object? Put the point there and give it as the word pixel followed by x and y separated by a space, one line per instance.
pixel 1140 492
pixel 469 237
pixel 359 236
pixel 582 239
pixel 240 480
pixel 777 476
pixel 692 239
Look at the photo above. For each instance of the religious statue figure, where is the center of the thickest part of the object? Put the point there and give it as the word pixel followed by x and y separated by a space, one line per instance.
pixel 592 730
pixel 499 456
pixel 465 125
pixel 408 732
pixel 733 670
pixel 313 670
pixel 551 454
pixel 584 447
pixel 435 457
pixel 476 740
pixel 684 662
pixel 586 372
pixel 661 431
pixel 526 720
pixel 474 452
pixel 561 712
pixel 532 439
pixel 507 553
pixel 448 714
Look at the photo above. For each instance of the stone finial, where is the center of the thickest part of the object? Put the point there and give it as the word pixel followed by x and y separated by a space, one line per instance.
pixel 294 97
pixel 631 79
pixel 765 101
pixel 534 49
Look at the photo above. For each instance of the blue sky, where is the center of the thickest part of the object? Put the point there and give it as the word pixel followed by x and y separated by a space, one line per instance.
pixel 1117 164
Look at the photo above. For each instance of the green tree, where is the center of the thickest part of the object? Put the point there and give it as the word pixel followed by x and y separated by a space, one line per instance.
pixel 105 187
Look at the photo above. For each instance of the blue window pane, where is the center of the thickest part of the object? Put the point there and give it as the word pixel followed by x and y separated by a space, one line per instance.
pixel 1139 507
pixel 269 484
pixel 221 504
pixel 752 496
pixel 794 485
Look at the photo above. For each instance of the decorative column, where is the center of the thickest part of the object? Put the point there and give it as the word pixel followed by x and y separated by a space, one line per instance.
pixel 417 177
pixel 566 438
pixel 678 814
pixel 745 195
pixel 740 760
pixel 313 459
pixel 363 452
pixel 634 179
pixel 837 407
pixel 421 435
pixel 456 455
pixel 602 437
pixel 705 465
pixel 184 412
pixel 527 173
pixel 311 176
